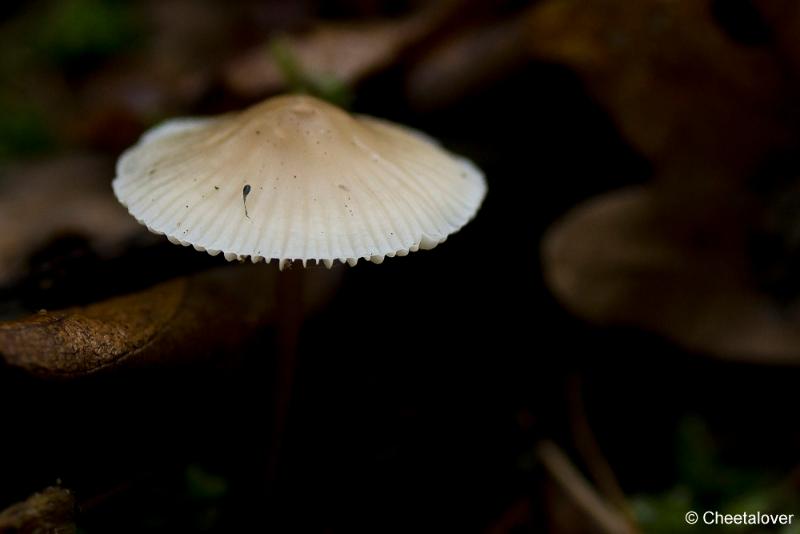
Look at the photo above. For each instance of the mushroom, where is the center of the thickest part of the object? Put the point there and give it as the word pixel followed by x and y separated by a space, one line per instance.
pixel 295 178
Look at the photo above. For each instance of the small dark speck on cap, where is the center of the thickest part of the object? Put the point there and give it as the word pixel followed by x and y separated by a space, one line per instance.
pixel 216 187
pixel 246 191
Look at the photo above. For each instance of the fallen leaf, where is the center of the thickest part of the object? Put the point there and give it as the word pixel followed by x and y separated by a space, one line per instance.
pixel 466 61
pixel 43 199
pixel 181 48
pixel 51 510
pixel 184 320
pixel 681 89
pixel 637 257
pixel 783 17
pixel 347 52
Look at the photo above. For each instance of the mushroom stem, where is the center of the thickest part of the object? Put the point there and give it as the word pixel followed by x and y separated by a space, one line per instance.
pixel 290 304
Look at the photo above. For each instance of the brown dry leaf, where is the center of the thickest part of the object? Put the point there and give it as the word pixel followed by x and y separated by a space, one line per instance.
pixel 174 65
pixel 633 257
pixel 183 320
pixel 681 90
pixel 42 199
pixel 347 52
pixel 169 71
pixel 464 62
pixel 121 100
pixel 51 510
pixel 783 17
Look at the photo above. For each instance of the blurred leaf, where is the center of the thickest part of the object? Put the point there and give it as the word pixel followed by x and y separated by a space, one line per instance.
pixel 466 62
pixel 662 514
pixel 680 87
pixel 23 130
pixel 670 264
pixel 706 483
pixel 782 17
pixel 704 89
pixel 170 323
pixel 42 199
pixel 700 468
pixel 198 318
pixel 324 86
pixel 696 456
pixel 51 510
pixel 72 31
pixel 331 57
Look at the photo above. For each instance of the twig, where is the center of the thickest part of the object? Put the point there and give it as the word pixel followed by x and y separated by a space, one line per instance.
pixel 578 488
pixel 589 449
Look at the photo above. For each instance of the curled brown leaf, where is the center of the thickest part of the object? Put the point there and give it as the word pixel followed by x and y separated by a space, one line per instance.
pixel 631 258
pixel 681 89
pixel 188 319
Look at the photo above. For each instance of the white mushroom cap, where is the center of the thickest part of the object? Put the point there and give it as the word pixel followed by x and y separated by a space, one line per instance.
pixel 294 178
